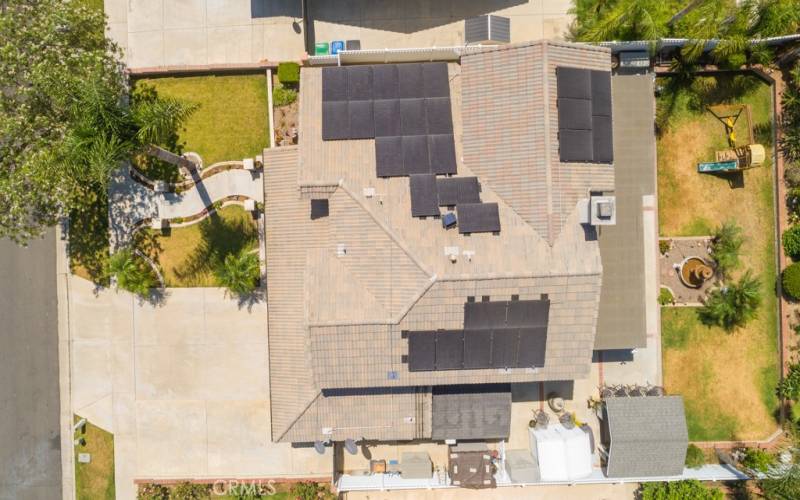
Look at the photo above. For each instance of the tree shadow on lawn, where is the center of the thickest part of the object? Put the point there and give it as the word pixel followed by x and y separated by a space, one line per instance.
pixel 88 244
pixel 219 238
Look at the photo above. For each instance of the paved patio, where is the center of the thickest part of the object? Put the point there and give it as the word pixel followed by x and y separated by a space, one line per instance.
pixel 158 33
pixel 184 393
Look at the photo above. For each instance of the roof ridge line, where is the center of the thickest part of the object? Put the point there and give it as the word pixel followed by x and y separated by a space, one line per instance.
pixel 394 237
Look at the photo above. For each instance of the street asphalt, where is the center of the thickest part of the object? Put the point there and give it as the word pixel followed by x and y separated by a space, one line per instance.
pixel 30 457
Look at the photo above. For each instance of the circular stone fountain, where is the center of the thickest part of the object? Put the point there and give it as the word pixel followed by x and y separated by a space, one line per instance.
pixel 694 271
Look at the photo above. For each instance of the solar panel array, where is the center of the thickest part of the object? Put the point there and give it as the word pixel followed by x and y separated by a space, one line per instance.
pixel 429 193
pixel 584 115
pixel 507 334
pixel 478 218
pixel 404 107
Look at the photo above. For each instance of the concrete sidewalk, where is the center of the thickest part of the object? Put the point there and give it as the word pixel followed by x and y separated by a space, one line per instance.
pixel 183 386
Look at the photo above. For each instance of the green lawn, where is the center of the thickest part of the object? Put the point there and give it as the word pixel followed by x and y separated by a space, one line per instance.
pixel 727 378
pixel 232 120
pixel 95 480
pixel 187 255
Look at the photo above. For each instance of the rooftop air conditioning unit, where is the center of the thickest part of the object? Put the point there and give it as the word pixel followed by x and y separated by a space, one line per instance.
pixel 603 210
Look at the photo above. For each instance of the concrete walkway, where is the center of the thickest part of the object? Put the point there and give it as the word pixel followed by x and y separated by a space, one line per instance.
pixel 131 202
pixel 183 386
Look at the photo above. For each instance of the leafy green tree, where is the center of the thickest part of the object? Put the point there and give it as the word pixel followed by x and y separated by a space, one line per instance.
pixel 781 483
pixel 239 272
pixel 132 274
pixel 789 387
pixel 694 457
pixel 791 241
pixel 734 305
pixel 725 246
pixel 66 104
pixel 679 490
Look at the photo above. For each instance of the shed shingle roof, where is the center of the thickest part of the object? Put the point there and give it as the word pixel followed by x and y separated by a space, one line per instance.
pixel 648 436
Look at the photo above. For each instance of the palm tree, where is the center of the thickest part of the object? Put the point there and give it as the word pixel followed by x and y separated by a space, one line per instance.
pixel 627 20
pixel 131 273
pixel 725 245
pixel 734 305
pixel 158 117
pixel 239 272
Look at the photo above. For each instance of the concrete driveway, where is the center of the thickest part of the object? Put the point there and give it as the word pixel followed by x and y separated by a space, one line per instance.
pixel 163 33
pixel 183 386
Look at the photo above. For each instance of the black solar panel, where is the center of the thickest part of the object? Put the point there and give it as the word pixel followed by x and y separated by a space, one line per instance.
pixel 455 190
pixel 412 117
pixel 574 114
pixel 424 201
pixel 361 120
pixel 449 350
pixel 477 349
pixel 389 156
pixel 601 93
pixel 440 119
pixel 532 346
pixel 575 145
pixel 442 150
pixel 484 315
pixel 602 140
pixel 359 83
pixel 410 82
pixel 505 346
pixel 478 218
pixel 384 81
pixel 421 351
pixel 573 82
pixel 435 78
pixel 415 155
pixel 334 84
pixel 527 313
pixel 387 117
pixel 335 120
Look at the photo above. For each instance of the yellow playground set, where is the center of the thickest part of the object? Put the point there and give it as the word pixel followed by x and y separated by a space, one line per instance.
pixel 737 158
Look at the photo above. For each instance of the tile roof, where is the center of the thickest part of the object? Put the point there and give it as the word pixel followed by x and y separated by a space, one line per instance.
pixel 648 436
pixel 342 288
pixel 510 121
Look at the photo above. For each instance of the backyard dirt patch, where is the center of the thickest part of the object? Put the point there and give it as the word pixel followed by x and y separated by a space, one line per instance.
pixel 727 379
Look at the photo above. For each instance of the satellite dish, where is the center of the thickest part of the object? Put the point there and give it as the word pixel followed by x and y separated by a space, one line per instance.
pixel 350 446
pixel 320 447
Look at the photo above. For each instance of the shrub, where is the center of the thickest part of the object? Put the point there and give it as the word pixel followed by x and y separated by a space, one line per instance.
pixel 758 459
pixel 282 96
pixel 190 491
pixel 152 491
pixel 791 280
pixel 734 305
pixel 239 272
pixel 694 457
pixel 781 483
pixel 792 176
pixel 311 491
pixel 789 387
pixel 791 241
pixel 289 73
pixel 725 247
pixel 679 490
pixel 132 274
pixel 664 246
pixel 665 296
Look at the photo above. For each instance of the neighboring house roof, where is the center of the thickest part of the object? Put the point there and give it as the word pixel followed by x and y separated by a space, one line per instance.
pixel 471 412
pixel 343 288
pixel 648 436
